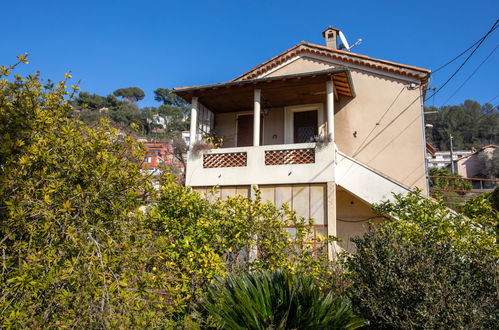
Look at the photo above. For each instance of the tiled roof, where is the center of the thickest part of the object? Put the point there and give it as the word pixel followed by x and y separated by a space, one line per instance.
pixel 478 151
pixel 341 55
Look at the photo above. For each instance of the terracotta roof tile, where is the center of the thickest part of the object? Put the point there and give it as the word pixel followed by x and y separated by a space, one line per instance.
pixel 342 55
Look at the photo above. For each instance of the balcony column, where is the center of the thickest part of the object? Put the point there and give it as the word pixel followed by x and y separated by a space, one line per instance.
pixel 194 121
pixel 330 109
pixel 256 118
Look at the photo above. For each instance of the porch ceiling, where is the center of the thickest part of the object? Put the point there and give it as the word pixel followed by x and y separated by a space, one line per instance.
pixel 295 89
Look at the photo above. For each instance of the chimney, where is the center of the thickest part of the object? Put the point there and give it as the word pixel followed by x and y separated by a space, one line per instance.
pixel 330 34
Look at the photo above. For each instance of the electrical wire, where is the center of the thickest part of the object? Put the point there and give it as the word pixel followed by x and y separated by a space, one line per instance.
pixel 458 56
pixel 492 99
pixel 471 75
pixel 465 61
pixel 380 119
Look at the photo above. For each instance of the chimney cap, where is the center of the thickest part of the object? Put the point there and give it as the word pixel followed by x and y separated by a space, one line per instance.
pixel 328 29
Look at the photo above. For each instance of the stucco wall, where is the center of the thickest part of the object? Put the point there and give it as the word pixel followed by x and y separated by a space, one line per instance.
pixel 381 126
pixel 352 218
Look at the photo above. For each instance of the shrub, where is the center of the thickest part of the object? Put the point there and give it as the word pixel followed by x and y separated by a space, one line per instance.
pixel 404 283
pixel 275 300
pixel 454 199
pixel 482 211
pixel 421 219
pixel 74 248
pixel 204 239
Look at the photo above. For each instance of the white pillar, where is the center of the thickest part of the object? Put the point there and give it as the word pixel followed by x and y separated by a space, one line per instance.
pixel 330 109
pixel 256 118
pixel 333 248
pixel 194 120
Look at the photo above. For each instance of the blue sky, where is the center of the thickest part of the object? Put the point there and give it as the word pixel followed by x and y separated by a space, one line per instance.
pixel 151 44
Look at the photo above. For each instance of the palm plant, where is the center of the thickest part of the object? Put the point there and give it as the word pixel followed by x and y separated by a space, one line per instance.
pixel 275 300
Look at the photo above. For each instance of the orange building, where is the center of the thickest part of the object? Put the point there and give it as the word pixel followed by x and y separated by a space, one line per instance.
pixel 158 154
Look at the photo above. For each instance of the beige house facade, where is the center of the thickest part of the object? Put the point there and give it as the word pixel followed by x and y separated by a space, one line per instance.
pixel 327 131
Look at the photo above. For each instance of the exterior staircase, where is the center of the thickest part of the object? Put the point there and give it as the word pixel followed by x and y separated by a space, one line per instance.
pixel 365 182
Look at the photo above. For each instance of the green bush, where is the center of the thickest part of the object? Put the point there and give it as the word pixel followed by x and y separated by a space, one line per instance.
pixel 482 211
pixel 421 219
pixel 275 300
pixel 495 199
pixel 74 248
pixel 407 284
pixel 454 199
pixel 205 239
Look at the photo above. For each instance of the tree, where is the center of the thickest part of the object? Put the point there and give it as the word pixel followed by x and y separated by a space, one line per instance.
pixel 471 125
pixel 490 163
pixel 167 97
pixel 72 235
pixel 131 94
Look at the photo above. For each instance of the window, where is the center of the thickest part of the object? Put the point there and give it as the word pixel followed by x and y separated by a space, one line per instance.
pixel 303 122
pixel 305 126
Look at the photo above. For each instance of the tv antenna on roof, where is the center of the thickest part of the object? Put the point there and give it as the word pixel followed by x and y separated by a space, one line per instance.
pixel 344 42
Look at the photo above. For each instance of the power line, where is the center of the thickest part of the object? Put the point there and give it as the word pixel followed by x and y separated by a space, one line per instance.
pixel 379 120
pixel 471 75
pixel 465 61
pixel 458 56
pixel 492 99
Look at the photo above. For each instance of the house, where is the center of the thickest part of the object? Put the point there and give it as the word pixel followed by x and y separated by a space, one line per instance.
pixel 442 159
pixel 327 131
pixel 473 166
pixel 158 154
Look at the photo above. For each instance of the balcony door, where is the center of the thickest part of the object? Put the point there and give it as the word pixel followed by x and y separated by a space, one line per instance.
pixel 245 131
pixel 305 126
pixel 303 122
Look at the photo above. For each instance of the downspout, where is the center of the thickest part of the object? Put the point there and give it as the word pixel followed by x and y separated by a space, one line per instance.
pixel 423 127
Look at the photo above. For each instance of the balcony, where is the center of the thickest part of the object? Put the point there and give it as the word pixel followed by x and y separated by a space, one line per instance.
pixel 269 164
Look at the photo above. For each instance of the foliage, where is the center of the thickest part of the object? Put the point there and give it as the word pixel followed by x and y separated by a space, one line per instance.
pixel 421 219
pixel 490 163
pixel 75 249
pixel 471 125
pixel 494 197
pixel 275 300
pixel 405 283
pixel 207 239
pixel 89 101
pixel 161 122
pixel 445 188
pixel 481 210
pixel 448 183
pixel 167 97
pixel 131 94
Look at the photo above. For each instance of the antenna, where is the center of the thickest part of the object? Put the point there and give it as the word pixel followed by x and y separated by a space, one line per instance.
pixel 345 42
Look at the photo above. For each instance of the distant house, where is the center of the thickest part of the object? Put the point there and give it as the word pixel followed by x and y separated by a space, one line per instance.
pixel 442 159
pixel 326 130
pixel 158 154
pixel 473 166
pixel 186 136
